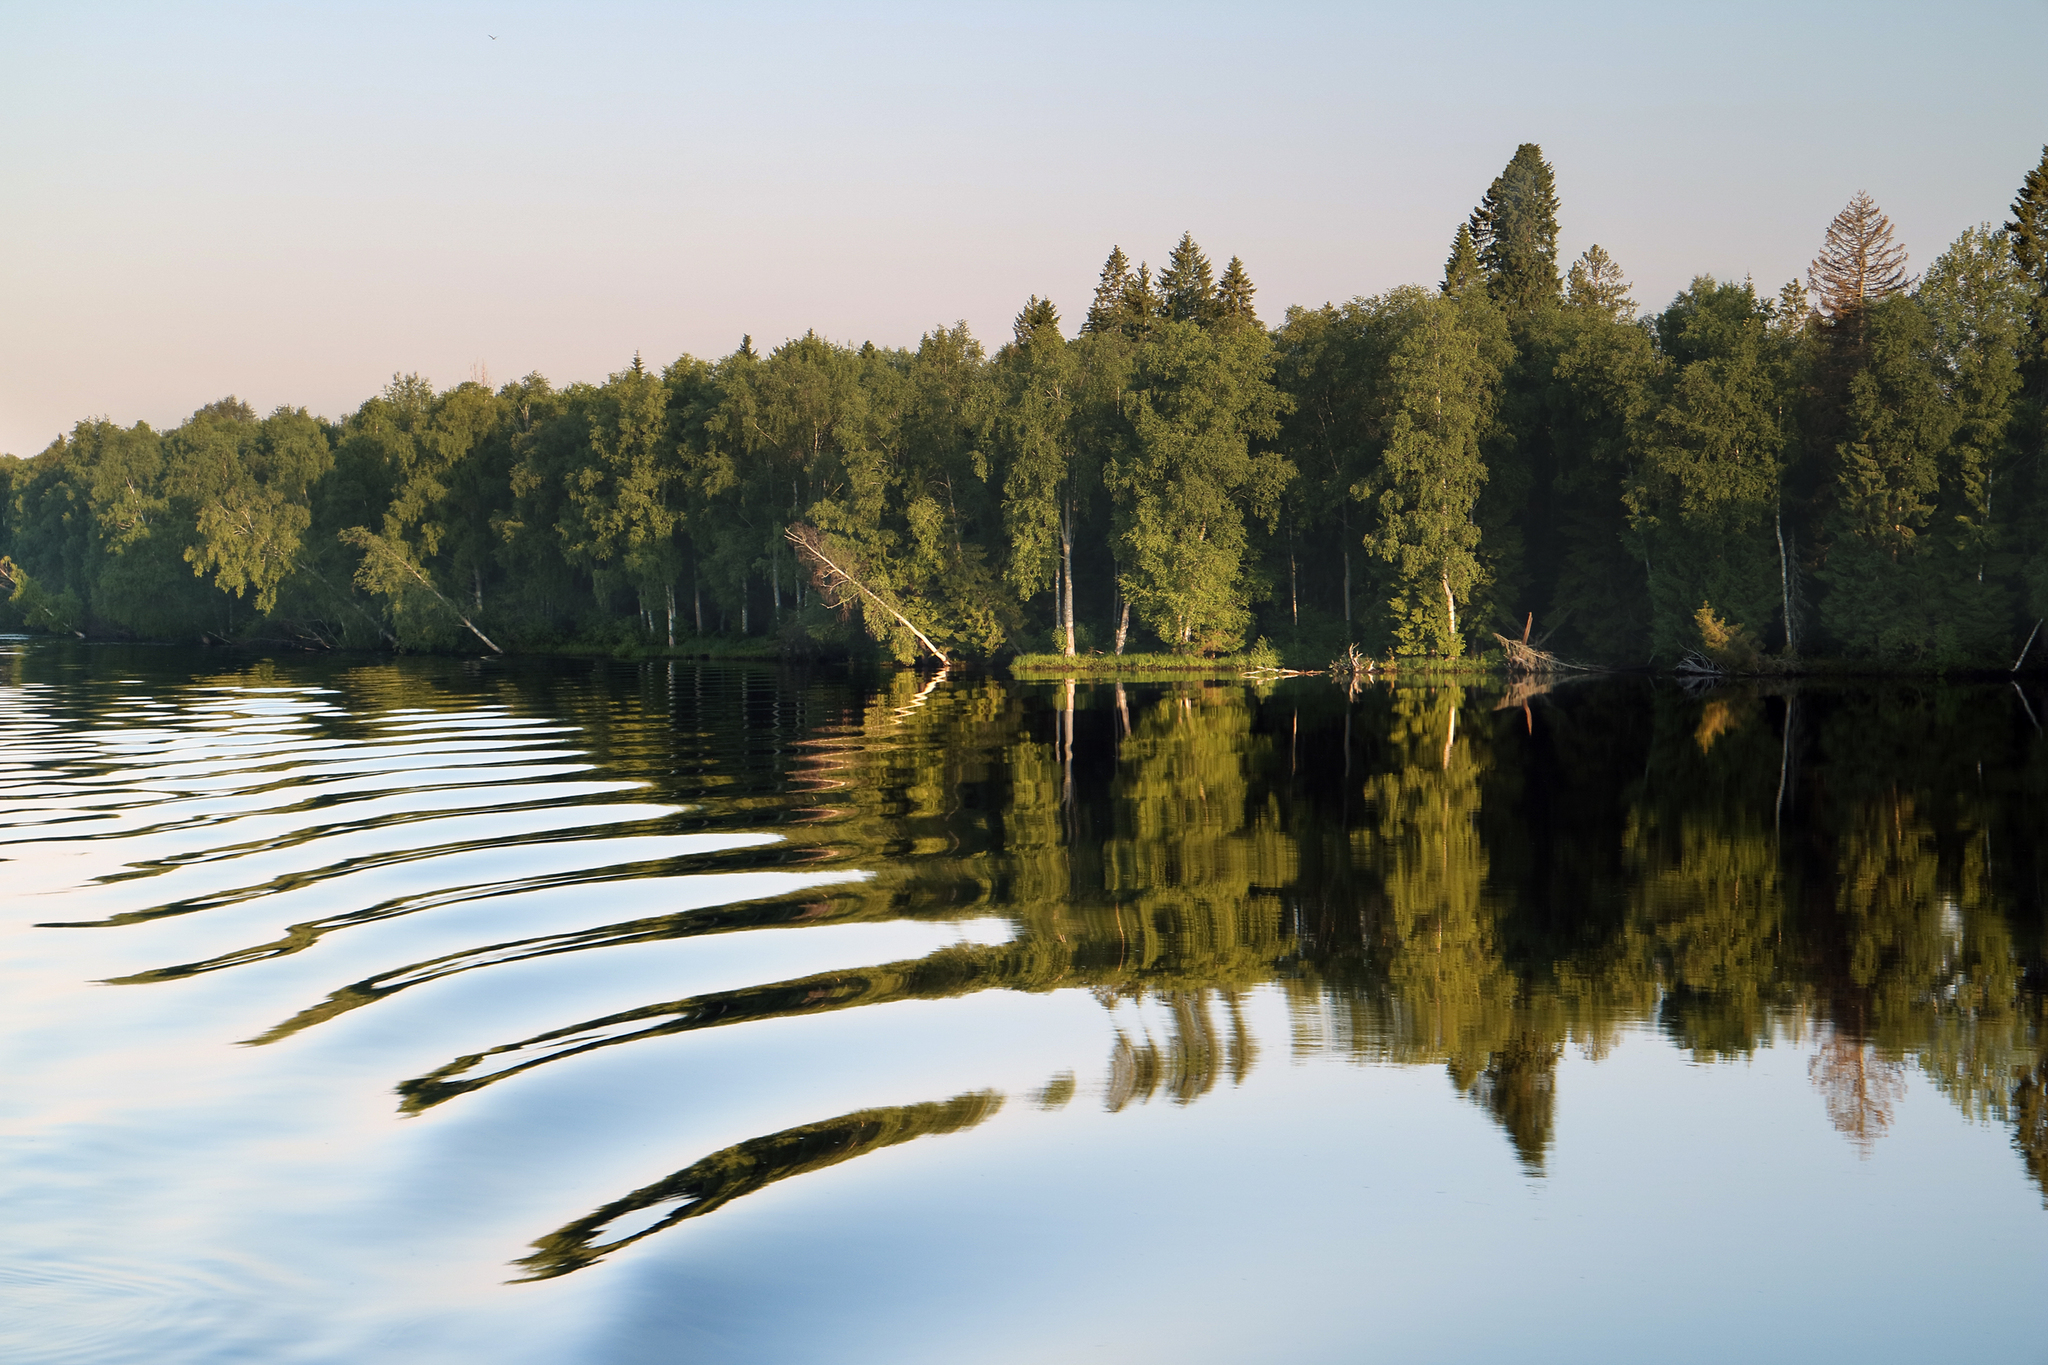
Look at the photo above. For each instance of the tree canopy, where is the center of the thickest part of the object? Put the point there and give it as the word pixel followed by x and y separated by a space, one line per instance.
pixel 1852 465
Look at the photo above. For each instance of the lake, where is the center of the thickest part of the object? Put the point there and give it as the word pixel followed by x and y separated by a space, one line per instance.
pixel 544 1011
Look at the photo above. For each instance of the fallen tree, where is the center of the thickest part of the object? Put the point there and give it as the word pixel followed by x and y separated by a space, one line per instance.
pixel 833 573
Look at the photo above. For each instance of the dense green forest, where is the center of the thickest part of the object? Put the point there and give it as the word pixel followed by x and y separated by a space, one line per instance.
pixel 1854 467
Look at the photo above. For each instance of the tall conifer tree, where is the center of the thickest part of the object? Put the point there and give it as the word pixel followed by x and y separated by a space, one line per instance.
pixel 1596 283
pixel 1515 231
pixel 1188 284
pixel 1462 272
pixel 1036 313
pixel 1234 293
pixel 1112 290
pixel 1859 262
pixel 2029 232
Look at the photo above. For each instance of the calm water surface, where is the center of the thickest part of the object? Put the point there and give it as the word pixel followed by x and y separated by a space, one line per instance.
pixel 451 1011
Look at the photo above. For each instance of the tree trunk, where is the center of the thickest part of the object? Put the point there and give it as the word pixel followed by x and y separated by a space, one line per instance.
pixel 1450 604
pixel 1059 623
pixel 671 615
pixel 1067 573
pixel 697 602
pixel 1123 627
pixel 1785 585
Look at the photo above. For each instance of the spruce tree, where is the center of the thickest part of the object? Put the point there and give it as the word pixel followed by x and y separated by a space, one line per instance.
pixel 1462 272
pixel 1859 265
pixel 1859 262
pixel 1106 312
pixel 1234 293
pixel 1515 230
pixel 1596 283
pixel 1141 301
pixel 1036 313
pixel 1188 285
pixel 2029 233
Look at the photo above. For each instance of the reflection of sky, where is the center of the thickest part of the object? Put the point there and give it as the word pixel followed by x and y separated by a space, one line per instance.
pixel 1331 1212
pixel 271 1196
pixel 174 1196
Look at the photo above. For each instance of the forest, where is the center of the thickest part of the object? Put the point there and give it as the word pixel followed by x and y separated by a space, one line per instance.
pixel 1850 468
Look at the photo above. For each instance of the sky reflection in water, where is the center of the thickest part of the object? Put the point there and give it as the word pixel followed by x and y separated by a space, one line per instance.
pixel 442 1011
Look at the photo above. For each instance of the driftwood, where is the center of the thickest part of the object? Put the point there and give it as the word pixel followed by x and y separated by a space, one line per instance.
pixel 1523 657
pixel 837 582
pixel 1353 662
pixel 1353 668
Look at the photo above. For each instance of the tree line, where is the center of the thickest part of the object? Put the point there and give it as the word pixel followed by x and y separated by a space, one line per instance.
pixel 1854 466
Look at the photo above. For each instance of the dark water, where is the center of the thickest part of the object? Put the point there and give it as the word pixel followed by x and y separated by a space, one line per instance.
pixel 445 1011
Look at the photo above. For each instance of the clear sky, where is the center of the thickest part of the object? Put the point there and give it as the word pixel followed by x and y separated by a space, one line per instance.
pixel 291 202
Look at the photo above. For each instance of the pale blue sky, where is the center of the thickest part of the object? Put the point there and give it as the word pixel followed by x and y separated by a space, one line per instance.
pixel 291 202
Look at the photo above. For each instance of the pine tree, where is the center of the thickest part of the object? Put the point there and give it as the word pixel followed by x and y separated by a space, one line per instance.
pixel 1234 293
pixel 1595 282
pixel 1858 263
pixel 1188 285
pixel 1515 231
pixel 1106 312
pixel 1462 271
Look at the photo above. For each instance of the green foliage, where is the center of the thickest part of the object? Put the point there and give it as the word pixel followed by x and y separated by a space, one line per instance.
pixel 1514 230
pixel 1185 477
pixel 1601 367
pixel 1706 451
pixel 1462 270
pixel 253 491
pixel 1439 399
pixel 1402 474
pixel 1187 286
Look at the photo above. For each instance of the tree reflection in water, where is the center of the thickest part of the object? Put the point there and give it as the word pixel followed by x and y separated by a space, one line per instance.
pixel 1433 875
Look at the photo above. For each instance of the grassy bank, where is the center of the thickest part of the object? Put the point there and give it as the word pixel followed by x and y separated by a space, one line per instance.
pixel 1123 665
